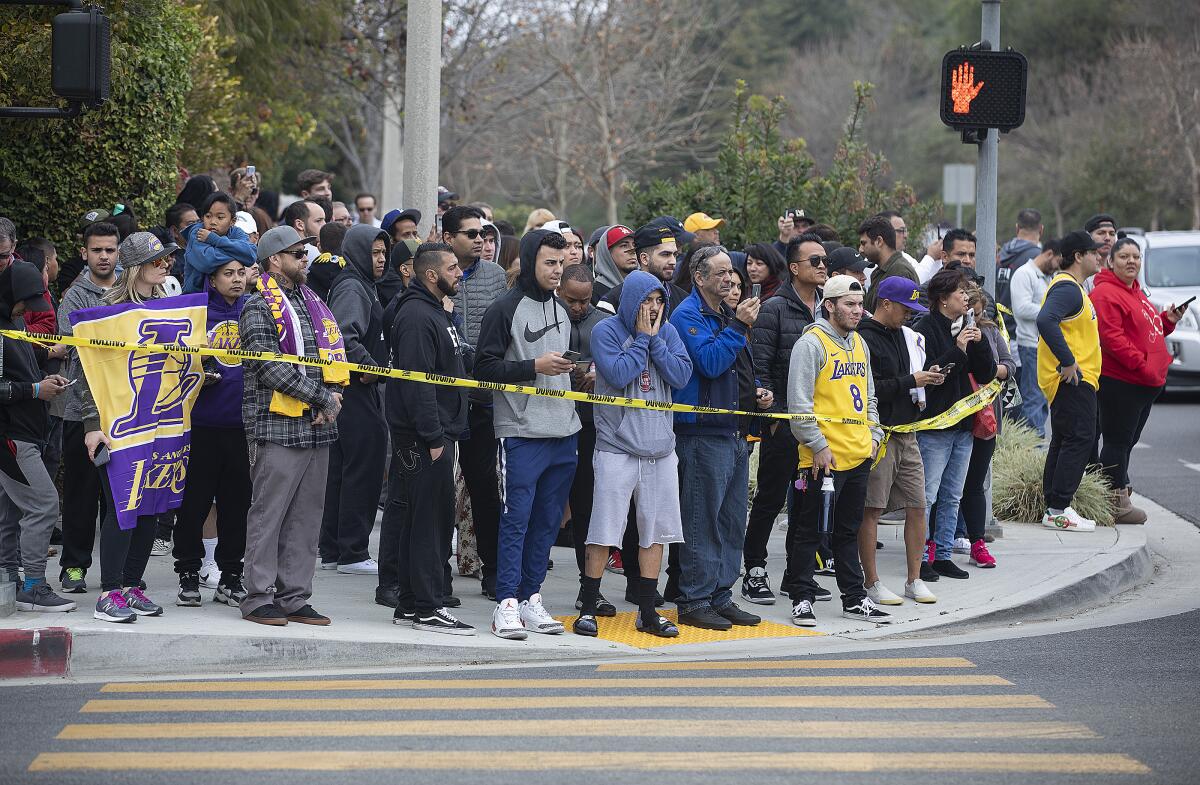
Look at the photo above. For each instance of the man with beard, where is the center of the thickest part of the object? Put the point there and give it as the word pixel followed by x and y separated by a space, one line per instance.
pixel 657 253
pixel 426 422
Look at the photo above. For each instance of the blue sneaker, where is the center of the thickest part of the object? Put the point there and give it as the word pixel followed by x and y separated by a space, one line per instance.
pixel 112 607
pixel 140 604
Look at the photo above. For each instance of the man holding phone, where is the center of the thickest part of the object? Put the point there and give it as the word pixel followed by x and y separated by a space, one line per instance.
pixel 1068 372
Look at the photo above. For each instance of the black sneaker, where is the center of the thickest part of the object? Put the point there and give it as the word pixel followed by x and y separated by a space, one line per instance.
pixel 441 620
pixel 823 594
pixel 388 596
pixel 865 610
pixel 487 587
pixel 756 587
pixel 603 606
pixel 825 566
pixel 705 618
pixel 928 574
pixel 950 569
pixel 230 590
pixel 738 616
pixel 307 615
pixel 403 616
pixel 802 614
pixel 267 614
pixel 189 590
pixel 73 580
pixel 451 602
pixel 41 599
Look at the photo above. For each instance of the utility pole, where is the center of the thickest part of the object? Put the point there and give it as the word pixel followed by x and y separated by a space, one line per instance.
pixel 391 181
pixel 422 108
pixel 989 160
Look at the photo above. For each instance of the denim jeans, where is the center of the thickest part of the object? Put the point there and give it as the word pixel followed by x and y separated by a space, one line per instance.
pixel 946 455
pixel 1034 408
pixel 714 477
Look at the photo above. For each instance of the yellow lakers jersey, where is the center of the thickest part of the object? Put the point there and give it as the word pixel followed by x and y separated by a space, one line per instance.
pixel 840 390
pixel 1082 334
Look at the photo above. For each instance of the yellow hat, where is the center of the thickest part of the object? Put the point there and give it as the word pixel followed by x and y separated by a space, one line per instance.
pixel 697 221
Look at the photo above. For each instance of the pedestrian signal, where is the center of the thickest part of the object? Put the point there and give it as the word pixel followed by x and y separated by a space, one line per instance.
pixel 983 89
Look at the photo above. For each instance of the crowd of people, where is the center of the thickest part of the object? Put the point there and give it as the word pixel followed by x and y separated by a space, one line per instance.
pixel 861 352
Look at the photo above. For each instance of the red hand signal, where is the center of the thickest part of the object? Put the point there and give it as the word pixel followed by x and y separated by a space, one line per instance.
pixel 962 88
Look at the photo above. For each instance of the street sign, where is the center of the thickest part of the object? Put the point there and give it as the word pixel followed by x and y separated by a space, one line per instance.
pixel 958 187
pixel 983 89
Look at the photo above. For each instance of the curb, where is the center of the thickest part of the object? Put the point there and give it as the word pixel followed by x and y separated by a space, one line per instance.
pixel 33 653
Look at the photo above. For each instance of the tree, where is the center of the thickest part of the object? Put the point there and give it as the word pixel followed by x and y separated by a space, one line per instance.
pixel 759 173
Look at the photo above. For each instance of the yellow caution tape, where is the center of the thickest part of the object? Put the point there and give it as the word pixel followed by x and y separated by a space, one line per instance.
pixel 452 381
pixel 961 408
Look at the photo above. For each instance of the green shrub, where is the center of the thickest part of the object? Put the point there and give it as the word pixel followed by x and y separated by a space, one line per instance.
pixel 1017 481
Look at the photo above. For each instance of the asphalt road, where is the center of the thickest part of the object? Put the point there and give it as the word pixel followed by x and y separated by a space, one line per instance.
pixel 1166 464
pixel 1116 704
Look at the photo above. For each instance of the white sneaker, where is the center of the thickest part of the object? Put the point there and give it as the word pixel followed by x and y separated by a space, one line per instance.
pixel 160 547
pixel 917 590
pixel 962 545
pixel 881 595
pixel 506 621
pixel 367 567
pixel 210 576
pixel 1068 521
pixel 536 618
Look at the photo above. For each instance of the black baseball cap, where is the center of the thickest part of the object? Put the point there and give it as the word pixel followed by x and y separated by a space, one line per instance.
pixel 389 220
pixel 651 235
pixel 1076 242
pixel 1098 220
pixel 682 236
pixel 846 258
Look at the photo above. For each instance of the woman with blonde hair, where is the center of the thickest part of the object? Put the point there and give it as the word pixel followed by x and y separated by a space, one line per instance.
pixel 537 219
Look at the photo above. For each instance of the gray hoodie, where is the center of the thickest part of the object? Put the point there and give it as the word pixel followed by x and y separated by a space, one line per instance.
pixel 808 357
pixel 84 293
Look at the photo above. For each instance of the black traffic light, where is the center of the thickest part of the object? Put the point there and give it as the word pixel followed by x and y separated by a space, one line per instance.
pixel 80 56
pixel 79 60
pixel 983 89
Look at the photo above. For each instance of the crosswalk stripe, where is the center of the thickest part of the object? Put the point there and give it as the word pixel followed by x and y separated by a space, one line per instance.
pixel 636 728
pixel 516 702
pixel 376 685
pixel 533 760
pixel 742 665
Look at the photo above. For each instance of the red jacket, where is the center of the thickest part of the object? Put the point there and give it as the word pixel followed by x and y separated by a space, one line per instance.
pixel 43 322
pixel 1132 333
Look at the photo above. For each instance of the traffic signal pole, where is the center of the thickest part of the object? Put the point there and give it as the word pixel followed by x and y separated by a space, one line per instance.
pixel 987 168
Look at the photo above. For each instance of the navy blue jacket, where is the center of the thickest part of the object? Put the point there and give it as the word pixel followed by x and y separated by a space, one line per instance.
pixel 714 341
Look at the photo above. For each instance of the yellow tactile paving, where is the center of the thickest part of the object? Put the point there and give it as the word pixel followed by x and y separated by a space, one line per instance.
pixel 759 665
pixel 621 629
pixel 574 761
pixel 574 727
pixel 607 683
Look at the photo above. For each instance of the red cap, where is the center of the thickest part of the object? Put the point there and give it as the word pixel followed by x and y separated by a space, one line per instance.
pixel 616 234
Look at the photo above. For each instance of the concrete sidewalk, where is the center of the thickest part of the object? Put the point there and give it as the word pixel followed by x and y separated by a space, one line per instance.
pixel 1039 570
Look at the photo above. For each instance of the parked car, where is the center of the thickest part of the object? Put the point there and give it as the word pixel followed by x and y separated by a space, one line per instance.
pixel 1170 275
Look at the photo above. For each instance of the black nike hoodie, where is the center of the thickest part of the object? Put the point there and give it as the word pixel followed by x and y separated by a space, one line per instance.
pixel 519 327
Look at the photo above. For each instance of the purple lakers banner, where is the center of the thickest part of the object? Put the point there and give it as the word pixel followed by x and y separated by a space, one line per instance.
pixel 145 397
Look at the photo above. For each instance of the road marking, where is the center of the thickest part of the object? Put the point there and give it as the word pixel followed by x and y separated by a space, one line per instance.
pixel 377 685
pixel 534 760
pixel 742 665
pixel 463 703
pixel 1193 466
pixel 636 728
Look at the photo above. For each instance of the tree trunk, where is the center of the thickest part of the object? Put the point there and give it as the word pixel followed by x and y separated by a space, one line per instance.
pixel 1058 217
pixel 610 198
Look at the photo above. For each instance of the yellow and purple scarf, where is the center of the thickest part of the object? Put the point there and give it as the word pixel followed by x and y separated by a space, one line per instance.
pixel 330 345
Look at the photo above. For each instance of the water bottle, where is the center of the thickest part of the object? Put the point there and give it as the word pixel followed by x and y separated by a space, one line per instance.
pixel 827 504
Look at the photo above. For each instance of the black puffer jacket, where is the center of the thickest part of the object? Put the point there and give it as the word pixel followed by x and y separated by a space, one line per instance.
pixel 941 348
pixel 780 324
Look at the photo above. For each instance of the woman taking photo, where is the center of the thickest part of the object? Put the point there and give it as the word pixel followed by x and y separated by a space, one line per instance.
pixel 765 266
pixel 1134 360
pixel 125 552
pixel 954 347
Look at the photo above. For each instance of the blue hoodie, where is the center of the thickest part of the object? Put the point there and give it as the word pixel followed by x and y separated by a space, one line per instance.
pixel 714 341
pixel 201 259
pixel 630 364
pixel 220 403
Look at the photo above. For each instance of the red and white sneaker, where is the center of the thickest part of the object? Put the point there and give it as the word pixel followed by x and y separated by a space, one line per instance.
pixel 1068 520
pixel 980 556
pixel 615 565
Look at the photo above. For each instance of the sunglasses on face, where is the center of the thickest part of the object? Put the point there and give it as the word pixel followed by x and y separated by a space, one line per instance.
pixel 162 264
pixel 299 253
pixel 817 261
pixel 470 233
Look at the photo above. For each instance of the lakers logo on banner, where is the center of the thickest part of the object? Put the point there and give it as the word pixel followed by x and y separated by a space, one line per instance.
pixel 224 335
pixel 145 397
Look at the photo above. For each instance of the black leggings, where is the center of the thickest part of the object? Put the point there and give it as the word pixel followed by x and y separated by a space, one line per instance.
pixel 124 553
pixel 974 499
pixel 218 468
pixel 1124 410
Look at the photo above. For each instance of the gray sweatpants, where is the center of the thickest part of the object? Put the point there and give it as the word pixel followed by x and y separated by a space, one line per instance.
pixel 28 509
pixel 283 525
